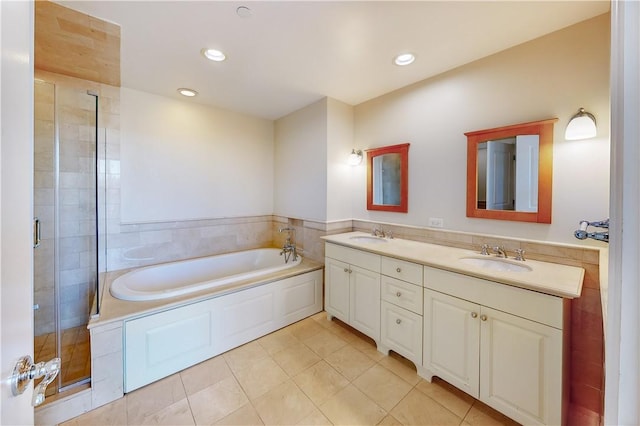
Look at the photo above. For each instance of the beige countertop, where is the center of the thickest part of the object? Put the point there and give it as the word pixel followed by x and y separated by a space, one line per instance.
pixel 550 278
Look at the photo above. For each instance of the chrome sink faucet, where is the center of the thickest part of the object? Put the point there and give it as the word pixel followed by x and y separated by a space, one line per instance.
pixel 500 251
pixel 377 231
pixel 289 248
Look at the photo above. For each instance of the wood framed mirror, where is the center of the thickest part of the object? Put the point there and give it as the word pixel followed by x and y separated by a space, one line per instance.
pixel 388 178
pixel 509 172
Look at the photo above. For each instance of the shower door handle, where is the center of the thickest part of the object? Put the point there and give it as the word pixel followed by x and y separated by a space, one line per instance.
pixel 25 371
pixel 36 232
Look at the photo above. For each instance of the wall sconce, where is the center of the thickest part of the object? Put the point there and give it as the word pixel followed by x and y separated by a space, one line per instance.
pixel 355 157
pixel 581 126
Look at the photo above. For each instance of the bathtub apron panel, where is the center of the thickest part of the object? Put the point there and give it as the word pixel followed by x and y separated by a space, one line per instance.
pixel 163 343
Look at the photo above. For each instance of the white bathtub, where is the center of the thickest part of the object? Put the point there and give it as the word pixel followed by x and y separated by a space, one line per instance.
pixel 189 276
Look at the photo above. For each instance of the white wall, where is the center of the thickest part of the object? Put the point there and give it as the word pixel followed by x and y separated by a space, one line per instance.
pixel 300 163
pixel 548 77
pixel 340 175
pixel 181 160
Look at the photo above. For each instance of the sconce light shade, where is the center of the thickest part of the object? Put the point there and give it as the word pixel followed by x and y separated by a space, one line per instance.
pixel 581 126
pixel 355 157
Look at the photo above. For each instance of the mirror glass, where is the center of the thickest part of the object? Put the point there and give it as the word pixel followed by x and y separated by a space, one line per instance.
pixel 509 172
pixel 387 178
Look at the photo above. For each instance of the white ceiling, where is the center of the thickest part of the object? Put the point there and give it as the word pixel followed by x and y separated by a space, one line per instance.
pixel 287 55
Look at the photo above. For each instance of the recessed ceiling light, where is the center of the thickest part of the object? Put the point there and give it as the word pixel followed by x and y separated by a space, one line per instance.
pixel 190 93
pixel 404 59
pixel 214 55
pixel 244 12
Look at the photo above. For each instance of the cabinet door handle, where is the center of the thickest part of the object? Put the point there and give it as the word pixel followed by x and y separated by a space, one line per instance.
pixel 398 321
pixel 483 317
pixel 346 269
pixel 398 294
pixel 474 315
pixel 350 271
pixel 398 270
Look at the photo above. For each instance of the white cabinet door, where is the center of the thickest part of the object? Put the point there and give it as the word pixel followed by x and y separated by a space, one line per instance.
pixel 402 332
pixel 452 340
pixel 364 305
pixel 337 296
pixel 521 368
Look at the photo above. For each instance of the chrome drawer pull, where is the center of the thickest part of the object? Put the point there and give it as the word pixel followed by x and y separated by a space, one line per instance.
pixel 398 270
pixel 398 294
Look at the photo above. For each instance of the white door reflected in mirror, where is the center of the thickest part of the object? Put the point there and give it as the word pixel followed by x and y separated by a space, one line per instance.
pixel 508 174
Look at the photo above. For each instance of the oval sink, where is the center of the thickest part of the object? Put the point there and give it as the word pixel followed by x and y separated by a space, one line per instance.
pixel 495 264
pixel 367 239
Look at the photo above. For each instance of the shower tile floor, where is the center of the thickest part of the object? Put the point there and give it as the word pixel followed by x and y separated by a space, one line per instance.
pixel 75 354
pixel 313 372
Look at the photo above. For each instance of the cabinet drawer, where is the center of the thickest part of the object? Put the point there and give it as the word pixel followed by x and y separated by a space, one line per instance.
pixel 402 332
pixel 402 270
pixel 403 294
pixel 539 307
pixel 359 258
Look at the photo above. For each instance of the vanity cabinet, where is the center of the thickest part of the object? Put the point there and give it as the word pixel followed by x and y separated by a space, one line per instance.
pixel 500 344
pixel 401 315
pixel 352 280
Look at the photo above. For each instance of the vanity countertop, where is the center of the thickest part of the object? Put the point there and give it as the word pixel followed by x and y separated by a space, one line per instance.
pixel 550 278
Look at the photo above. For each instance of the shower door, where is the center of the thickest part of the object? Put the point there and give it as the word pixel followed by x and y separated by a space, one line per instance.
pixel 66 228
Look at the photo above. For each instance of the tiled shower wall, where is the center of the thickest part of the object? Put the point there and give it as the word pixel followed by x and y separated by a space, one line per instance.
pixel 77 257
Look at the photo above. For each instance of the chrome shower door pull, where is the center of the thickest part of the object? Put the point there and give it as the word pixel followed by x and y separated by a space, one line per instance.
pixel 25 371
pixel 36 232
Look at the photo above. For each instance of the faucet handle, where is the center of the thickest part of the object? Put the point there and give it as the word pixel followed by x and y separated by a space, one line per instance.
pixel 519 254
pixel 484 250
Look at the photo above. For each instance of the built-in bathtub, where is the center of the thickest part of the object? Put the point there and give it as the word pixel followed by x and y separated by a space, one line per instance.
pixel 180 278
pixel 181 313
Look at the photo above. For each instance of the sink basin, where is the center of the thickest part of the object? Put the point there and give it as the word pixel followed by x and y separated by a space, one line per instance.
pixel 495 264
pixel 367 239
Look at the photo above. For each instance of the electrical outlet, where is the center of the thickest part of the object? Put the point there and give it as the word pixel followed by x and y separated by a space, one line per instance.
pixel 436 222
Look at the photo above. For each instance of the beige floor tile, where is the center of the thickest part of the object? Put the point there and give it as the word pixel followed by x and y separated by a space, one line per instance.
pixel 177 414
pixel 349 362
pixel 382 386
pixel 368 347
pixel 418 409
pixel 284 404
pixel 352 407
pixel 447 395
pixel 320 382
pixel 277 341
pixel 340 329
pixel 305 329
pixel 483 415
pixel 245 415
pixel 245 356
pixel 205 374
pixel 217 401
pixel 390 421
pixel 261 377
pixel 153 398
pixel 316 418
pixel 112 414
pixel 325 343
pixel 296 359
pixel 402 367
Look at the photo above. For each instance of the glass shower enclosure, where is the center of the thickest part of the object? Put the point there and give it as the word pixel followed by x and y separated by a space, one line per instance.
pixel 66 228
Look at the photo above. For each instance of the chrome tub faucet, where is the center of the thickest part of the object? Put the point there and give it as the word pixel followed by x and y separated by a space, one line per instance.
pixel 289 249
